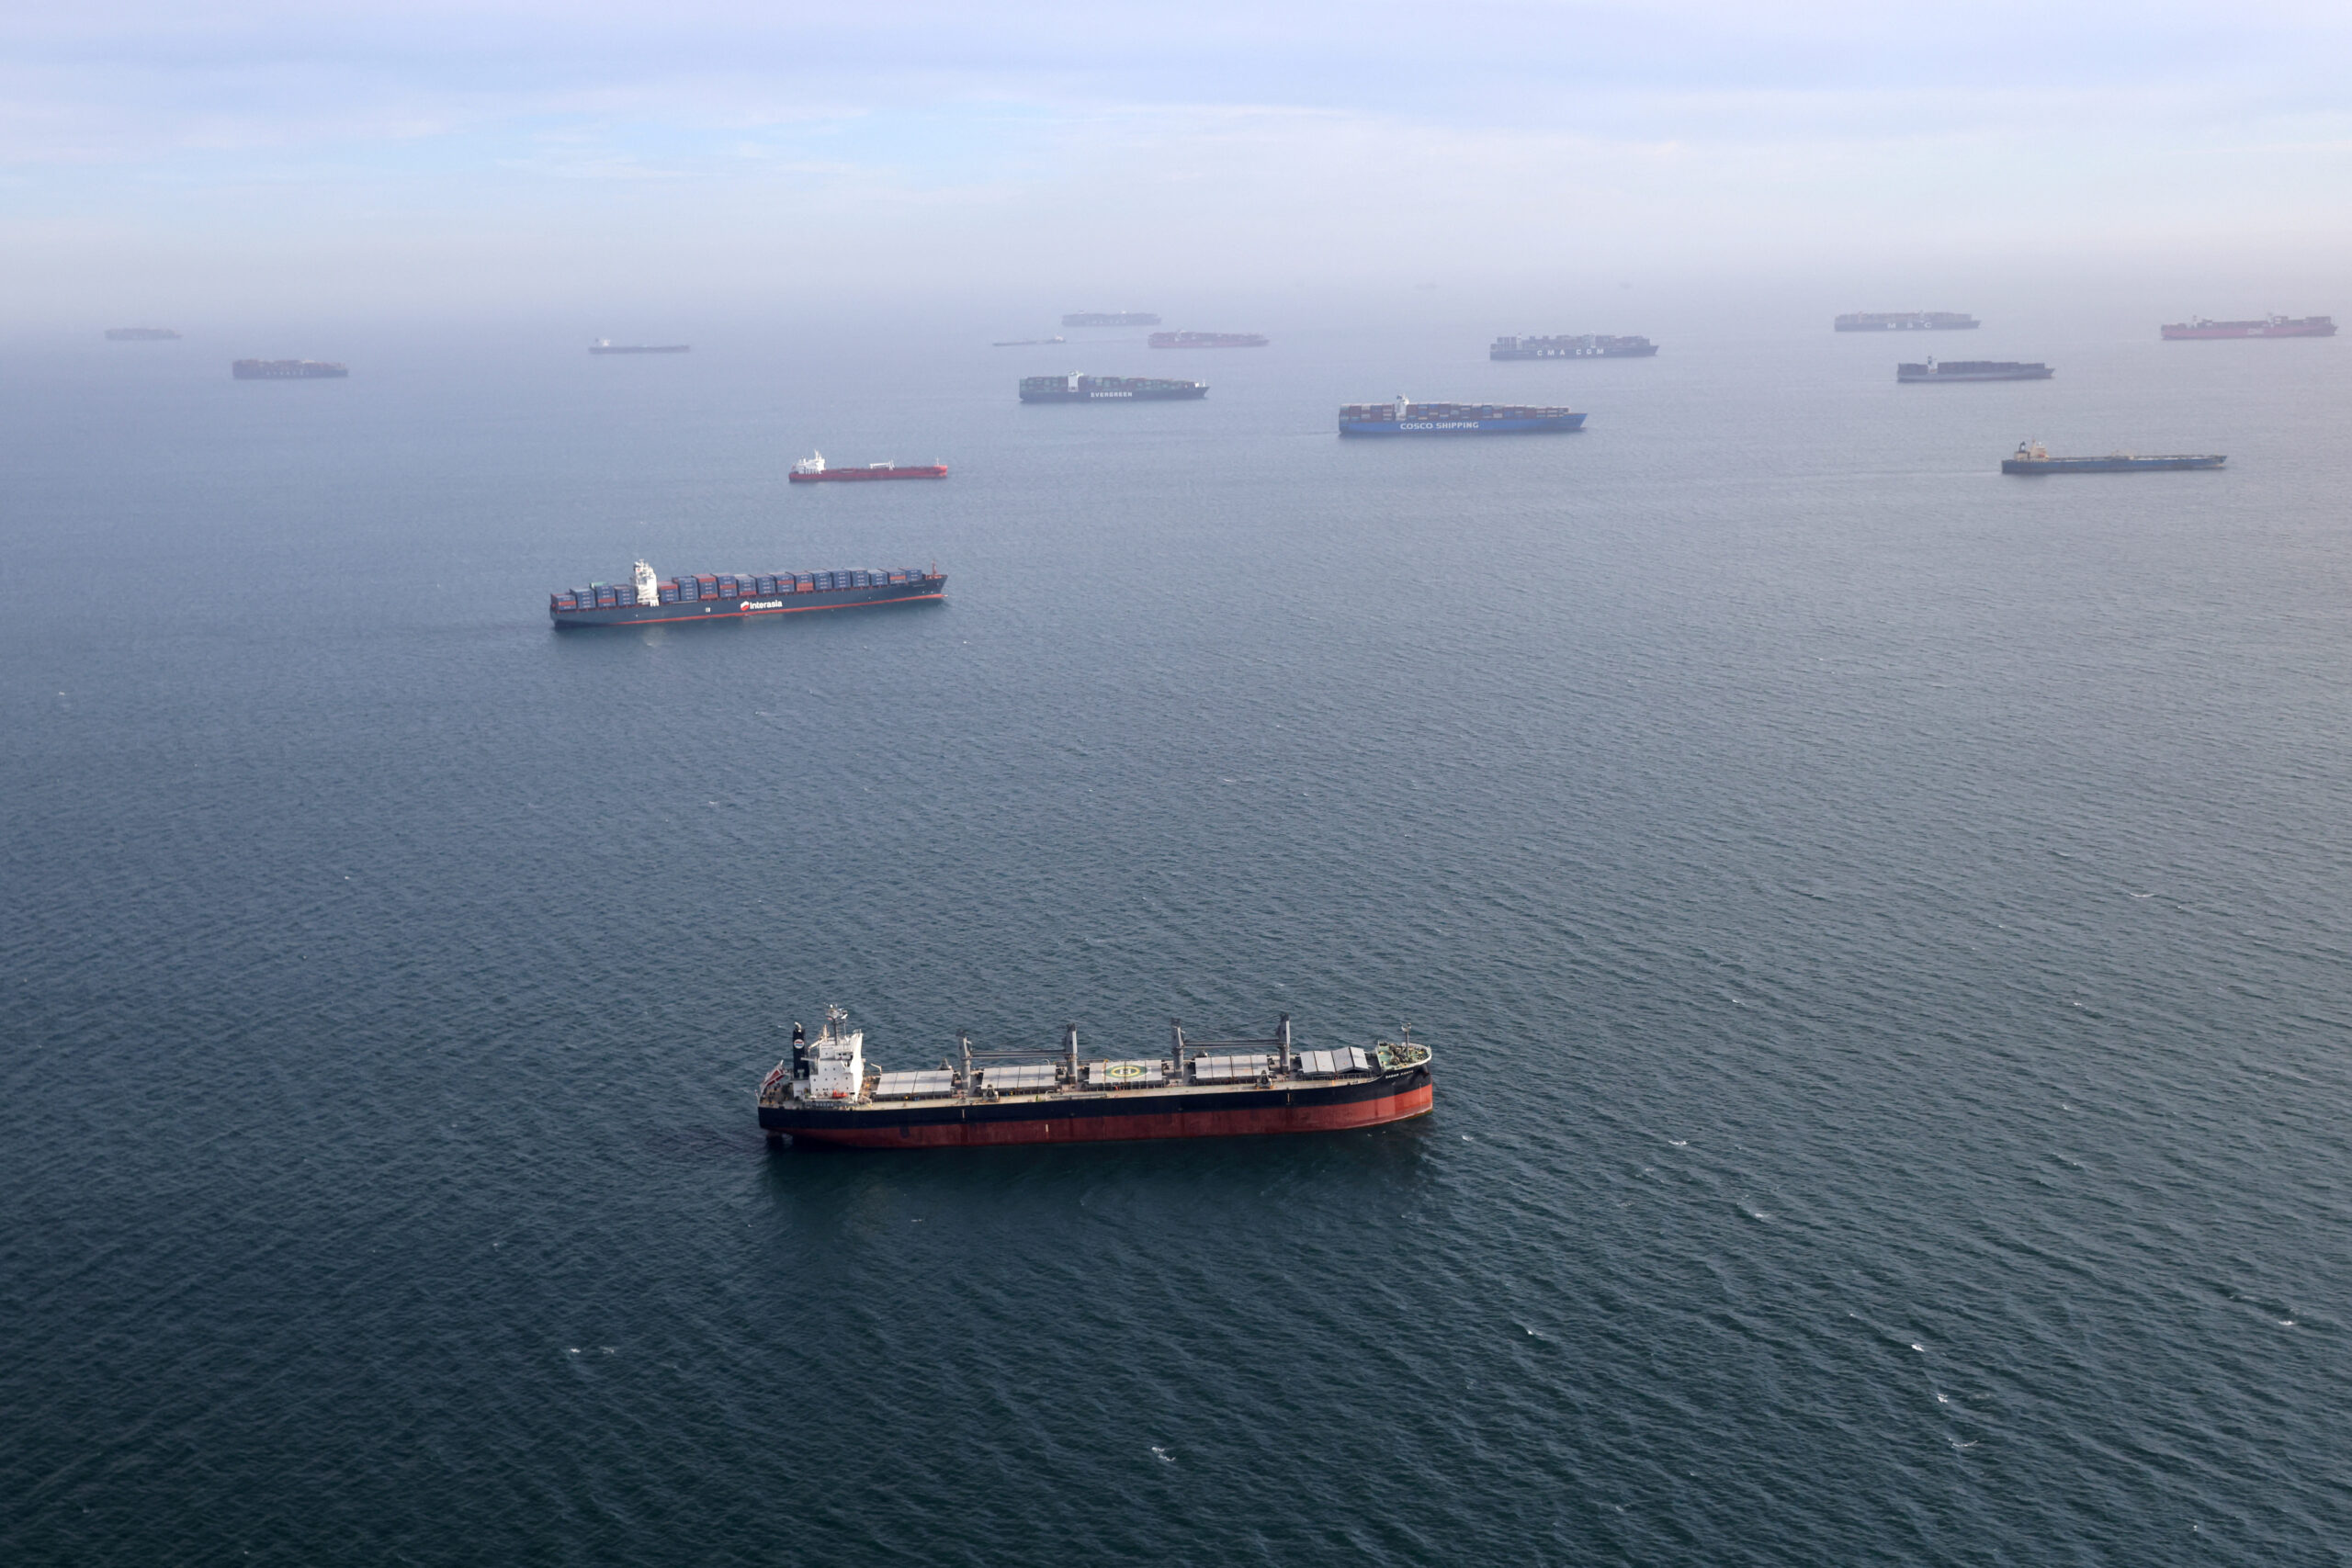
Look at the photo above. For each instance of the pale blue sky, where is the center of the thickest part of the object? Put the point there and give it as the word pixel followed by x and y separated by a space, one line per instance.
pixel 493 150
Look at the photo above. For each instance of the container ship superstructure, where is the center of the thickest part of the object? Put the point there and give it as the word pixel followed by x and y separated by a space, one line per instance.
pixel 1591 345
pixel 647 600
pixel 2033 458
pixel 1906 322
pixel 1110 319
pixel 1974 371
pixel 826 1093
pixel 1106 389
pixel 1208 340
pixel 813 469
pixel 2269 326
pixel 1404 417
pixel 287 370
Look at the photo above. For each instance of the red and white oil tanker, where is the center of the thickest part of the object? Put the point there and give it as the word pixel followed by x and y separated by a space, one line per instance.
pixel 812 470
pixel 825 1092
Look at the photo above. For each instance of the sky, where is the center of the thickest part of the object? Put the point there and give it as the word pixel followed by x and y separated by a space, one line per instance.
pixel 511 152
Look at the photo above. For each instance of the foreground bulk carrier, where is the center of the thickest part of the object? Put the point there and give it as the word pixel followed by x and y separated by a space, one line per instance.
pixel 735 595
pixel 2033 458
pixel 813 469
pixel 1404 417
pixel 825 1093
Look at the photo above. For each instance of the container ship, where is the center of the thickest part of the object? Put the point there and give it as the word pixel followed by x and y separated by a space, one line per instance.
pixel 812 470
pixel 606 345
pixel 1906 322
pixel 2269 326
pixel 1092 388
pixel 1405 418
pixel 287 369
pixel 1590 346
pixel 825 1093
pixel 1974 371
pixel 1027 342
pixel 1110 319
pixel 1208 339
pixel 140 334
pixel 646 599
pixel 2033 458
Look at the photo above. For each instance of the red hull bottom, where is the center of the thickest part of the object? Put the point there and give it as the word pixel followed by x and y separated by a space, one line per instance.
pixel 1122 1129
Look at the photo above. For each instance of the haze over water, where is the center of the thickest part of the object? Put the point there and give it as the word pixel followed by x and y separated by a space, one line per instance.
pixel 1880 925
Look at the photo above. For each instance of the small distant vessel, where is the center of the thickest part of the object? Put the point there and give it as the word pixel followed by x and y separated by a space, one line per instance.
pixel 2269 326
pixel 1110 319
pixel 647 600
pixel 812 470
pixel 287 369
pixel 1028 342
pixel 140 334
pixel 1094 389
pixel 1404 417
pixel 1208 339
pixel 1906 322
pixel 2033 458
pixel 1974 371
pixel 606 345
pixel 1592 345
pixel 825 1092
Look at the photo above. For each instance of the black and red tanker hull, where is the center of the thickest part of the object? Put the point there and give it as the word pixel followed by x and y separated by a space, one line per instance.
pixel 1113 1117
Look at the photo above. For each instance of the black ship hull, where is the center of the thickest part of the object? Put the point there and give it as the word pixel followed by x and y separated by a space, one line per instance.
pixel 1113 1115
pixel 921 590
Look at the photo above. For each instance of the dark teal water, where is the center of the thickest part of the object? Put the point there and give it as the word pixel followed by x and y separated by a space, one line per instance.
pixel 1882 928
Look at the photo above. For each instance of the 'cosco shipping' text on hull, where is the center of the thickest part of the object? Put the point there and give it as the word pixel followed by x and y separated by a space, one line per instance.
pixel 1405 418
pixel 826 1094
pixel 735 596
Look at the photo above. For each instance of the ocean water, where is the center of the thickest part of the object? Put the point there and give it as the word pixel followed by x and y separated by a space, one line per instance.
pixel 1882 928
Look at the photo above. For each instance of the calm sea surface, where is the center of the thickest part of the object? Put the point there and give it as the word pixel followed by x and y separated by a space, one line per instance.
pixel 1883 927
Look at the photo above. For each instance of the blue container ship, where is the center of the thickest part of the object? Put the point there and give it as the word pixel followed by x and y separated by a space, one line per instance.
pixel 1404 417
pixel 735 595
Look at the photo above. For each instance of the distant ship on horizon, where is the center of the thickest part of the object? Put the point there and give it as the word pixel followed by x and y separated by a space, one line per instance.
pixel 1906 322
pixel 1591 345
pixel 2269 326
pixel 287 370
pixel 606 345
pixel 1208 340
pixel 1974 371
pixel 1111 318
